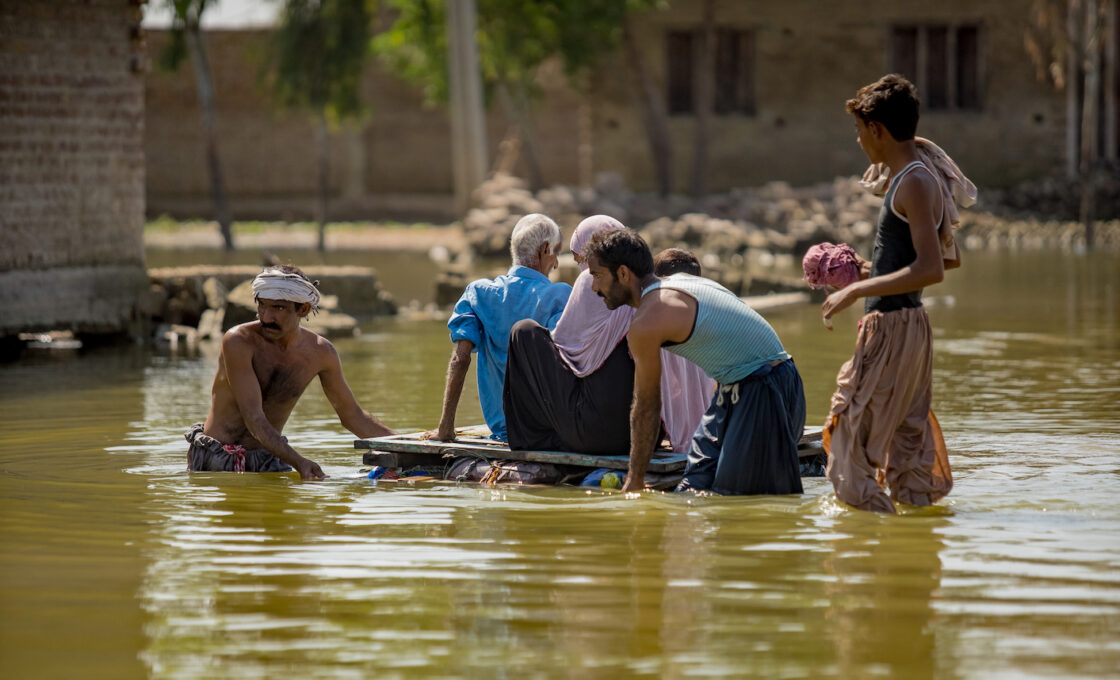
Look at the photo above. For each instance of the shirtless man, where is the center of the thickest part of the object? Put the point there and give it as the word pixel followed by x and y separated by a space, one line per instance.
pixel 263 369
pixel 746 442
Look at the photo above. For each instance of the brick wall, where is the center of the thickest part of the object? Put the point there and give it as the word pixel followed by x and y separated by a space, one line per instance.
pixel 71 165
pixel 810 57
pixel 398 158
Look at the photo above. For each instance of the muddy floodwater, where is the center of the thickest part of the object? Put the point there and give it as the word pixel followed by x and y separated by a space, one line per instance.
pixel 116 563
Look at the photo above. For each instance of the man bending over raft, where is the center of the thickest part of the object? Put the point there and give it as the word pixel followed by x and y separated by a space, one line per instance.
pixel 747 440
pixel 263 368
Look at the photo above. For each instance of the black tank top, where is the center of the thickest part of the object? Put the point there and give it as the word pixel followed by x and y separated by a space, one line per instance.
pixel 894 249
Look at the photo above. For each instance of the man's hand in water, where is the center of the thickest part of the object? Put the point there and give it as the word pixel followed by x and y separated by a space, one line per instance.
pixel 439 435
pixel 309 469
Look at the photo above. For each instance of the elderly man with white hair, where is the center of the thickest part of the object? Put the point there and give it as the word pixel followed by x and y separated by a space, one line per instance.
pixel 488 309
pixel 263 368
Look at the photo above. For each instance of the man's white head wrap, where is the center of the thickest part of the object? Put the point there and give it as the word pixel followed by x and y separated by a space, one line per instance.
pixel 276 284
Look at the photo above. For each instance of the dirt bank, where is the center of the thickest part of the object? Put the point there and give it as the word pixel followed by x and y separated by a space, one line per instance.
pixel 341 236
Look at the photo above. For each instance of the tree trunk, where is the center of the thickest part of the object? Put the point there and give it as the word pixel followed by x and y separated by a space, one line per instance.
pixel 704 74
pixel 468 121
pixel 1090 118
pixel 197 51
pixel 586 136
pixel 1073 87
pixel 323 150
pixel 517 112
pixel 654 117
pixel 1110 83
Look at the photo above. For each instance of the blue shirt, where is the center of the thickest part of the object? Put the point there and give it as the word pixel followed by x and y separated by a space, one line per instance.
pixel 485 315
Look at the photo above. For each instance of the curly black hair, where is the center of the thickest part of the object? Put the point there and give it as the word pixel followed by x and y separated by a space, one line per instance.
pixel 892 101
pixel 616 247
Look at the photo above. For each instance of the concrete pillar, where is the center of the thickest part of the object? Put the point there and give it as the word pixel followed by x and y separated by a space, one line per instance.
pixel 353 161
pixel 468 131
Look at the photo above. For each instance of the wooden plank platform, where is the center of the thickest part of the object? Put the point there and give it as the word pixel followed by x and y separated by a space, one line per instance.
pixel 407 450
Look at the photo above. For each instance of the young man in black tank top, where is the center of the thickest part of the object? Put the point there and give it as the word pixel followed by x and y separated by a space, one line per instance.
pixel 880 428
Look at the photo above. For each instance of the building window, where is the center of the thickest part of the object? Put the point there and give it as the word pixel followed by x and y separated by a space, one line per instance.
pixel 732 71
pixel 943 61
pixel 680 49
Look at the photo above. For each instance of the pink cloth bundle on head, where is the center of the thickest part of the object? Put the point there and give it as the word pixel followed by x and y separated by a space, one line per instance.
pixel 588 332
pixel 827 264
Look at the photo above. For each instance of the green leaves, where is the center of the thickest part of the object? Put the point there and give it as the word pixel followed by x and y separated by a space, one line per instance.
pixel 514 38
pixel 415 46
pixel 315 59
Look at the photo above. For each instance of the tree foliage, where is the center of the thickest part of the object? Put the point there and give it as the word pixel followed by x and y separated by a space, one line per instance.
pixel 514 38
pixel 415 46
pixel 315 58
pixel 186 15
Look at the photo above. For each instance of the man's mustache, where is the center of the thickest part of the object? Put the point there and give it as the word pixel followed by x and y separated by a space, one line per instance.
pixel 273 326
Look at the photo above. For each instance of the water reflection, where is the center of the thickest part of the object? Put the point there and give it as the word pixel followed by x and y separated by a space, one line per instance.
pixel 148 571
pixel 884 575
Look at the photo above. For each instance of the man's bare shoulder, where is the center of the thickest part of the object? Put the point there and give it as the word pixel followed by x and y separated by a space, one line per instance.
pixel 918 186
pixel 663 302
pixel 663 313
pixel 243 335
pixel 316 345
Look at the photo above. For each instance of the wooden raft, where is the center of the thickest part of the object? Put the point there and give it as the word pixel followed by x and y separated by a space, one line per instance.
pixel 408 450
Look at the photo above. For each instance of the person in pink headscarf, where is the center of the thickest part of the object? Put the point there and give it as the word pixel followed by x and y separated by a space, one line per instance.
pixel 570 390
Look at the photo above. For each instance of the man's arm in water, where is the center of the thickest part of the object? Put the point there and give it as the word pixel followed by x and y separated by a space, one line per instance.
pixel 352 416
pixel 237 354
pixel 456 376
pixel 645 412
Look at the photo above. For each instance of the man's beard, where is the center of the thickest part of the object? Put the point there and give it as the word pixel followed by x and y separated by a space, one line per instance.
pixel 612 301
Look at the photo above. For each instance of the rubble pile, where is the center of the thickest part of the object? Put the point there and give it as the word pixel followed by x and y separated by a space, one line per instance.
pixel 200 302
pixel 742 234
pixel 987 231
pixel 1055 199
pixel 775 217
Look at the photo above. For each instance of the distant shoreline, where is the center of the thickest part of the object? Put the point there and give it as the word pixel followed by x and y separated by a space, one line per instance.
pixel 339 236
pixel 980 231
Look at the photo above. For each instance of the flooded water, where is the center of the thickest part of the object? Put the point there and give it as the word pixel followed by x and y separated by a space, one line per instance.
pixel 115 563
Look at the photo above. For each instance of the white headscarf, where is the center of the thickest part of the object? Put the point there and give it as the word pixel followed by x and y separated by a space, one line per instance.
pixel 276 284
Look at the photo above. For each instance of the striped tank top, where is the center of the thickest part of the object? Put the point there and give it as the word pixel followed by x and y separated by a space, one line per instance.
pixel 729 340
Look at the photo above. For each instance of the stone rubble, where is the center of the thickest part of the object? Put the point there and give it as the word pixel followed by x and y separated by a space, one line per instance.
pixel 746 236
pixel 186 304
pixel 725 230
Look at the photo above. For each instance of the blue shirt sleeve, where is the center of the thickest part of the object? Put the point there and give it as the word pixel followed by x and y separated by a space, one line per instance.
pixel 464 323
pixel 555 300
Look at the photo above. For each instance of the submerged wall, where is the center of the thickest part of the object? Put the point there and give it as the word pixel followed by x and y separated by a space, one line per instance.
pixel 71 165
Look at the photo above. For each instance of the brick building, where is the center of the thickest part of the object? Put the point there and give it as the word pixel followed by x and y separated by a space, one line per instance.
pixel 783 71
pixel 71 165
